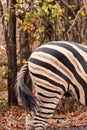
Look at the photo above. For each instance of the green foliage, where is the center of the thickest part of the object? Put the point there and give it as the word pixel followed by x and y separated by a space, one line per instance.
pixel 49 20
pixel 2 103
pixel 2 86
pixel 42 19
pixel 6 18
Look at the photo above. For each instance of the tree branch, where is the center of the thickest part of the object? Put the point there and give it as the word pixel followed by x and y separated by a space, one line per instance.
pixel 68 6
pixel 74 21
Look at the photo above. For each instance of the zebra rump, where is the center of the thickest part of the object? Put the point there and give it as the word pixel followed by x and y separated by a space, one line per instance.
pixel 55 68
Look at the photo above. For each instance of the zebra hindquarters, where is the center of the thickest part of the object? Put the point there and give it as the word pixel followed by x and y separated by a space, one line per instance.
pixel 30 121
pixel 49 98
pixel 41 120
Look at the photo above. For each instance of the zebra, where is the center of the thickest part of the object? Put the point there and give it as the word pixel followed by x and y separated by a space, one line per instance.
pixel 55 68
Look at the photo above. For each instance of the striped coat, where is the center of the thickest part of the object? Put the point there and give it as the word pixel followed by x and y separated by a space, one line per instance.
pixel 55 69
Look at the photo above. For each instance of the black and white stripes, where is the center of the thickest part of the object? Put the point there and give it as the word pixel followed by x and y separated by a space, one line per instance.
pixel 55 68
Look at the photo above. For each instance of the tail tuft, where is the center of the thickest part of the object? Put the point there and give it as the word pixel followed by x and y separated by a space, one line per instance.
pixel 28 99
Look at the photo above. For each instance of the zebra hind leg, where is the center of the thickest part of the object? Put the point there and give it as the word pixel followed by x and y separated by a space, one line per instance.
pixel 47 108
pixel 40 121
pixel 30 121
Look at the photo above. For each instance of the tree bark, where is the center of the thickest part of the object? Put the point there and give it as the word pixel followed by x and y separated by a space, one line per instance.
pixel 10 38
pixel 24 46
pixel 1 9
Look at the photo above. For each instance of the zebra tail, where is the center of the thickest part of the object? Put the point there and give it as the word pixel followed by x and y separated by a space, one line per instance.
pixel 28 99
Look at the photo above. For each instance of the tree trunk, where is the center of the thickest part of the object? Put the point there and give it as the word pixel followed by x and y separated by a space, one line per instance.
pixel 25 52
pixel 24 46
pixel 10 38
pixel 1 9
